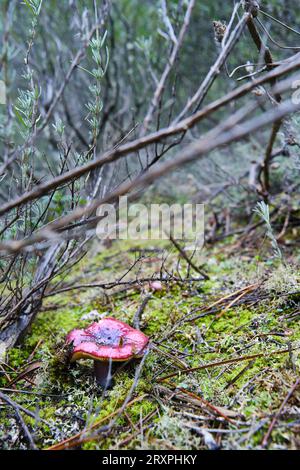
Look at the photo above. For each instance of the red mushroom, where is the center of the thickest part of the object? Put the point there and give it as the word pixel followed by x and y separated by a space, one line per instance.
pixel 106 342
pixel 155 285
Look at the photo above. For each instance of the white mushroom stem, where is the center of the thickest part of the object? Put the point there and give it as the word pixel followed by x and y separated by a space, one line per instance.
pixel 102 370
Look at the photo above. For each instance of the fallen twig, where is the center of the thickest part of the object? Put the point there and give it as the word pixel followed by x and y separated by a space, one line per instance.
pixel 187 258
pixel 273 422
pixel 140 310
pixel 76 439
pixel 220 363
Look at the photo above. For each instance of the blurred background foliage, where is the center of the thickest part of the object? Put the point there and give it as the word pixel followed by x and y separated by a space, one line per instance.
pixel 106 105
pixel 138 48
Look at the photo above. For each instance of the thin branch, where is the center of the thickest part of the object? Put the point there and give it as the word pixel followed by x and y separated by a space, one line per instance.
pixel 200 94
pixel 292 64
pixel 277 415
pixel 187 258
pixel 226 133
pixel 168 68
pixel 221 363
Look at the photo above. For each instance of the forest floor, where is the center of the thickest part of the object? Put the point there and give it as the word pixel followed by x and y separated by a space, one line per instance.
pixel 239 330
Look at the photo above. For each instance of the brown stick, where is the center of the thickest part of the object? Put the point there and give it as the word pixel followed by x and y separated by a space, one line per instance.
pixel 205 403
pixel 273 422
pixel 75 440
pixel 262 49
pixel 138 314
pixel 187 258
pixel 170 64
pixel 123 150
pixel 226 133
pixel 266 163
pixel 215 69
pixel 221 363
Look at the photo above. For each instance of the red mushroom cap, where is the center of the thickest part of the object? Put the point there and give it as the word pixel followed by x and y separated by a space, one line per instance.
pixel 107 339
pixel 155 285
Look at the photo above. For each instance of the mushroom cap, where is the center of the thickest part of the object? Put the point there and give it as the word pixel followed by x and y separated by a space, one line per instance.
pixel 108 339
pixel 155 285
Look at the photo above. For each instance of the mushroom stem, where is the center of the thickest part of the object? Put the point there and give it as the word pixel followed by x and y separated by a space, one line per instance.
pixel 102 370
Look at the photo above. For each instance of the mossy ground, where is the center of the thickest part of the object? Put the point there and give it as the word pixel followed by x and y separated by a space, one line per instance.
pixel 165 415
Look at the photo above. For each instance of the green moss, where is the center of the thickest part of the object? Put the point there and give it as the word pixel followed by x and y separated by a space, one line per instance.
pixel 68 399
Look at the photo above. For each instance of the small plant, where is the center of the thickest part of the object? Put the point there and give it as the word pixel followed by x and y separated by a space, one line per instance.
pixel 34 5
pixel 27 102
pixel 262 209
pixel 59 127
pixel 95 104
pixel 283 279
pixel 25 110
pixel 26 107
